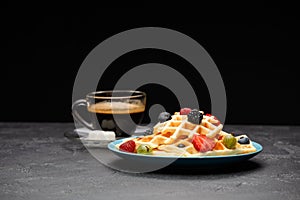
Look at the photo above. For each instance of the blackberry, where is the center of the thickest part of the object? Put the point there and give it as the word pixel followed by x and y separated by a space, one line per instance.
pixel 195 116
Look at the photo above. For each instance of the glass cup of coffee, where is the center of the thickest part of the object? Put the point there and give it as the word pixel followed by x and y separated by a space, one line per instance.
pixel 116 110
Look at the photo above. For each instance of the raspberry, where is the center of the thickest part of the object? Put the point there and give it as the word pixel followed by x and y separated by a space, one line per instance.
pixel 185 111
pixel 128 146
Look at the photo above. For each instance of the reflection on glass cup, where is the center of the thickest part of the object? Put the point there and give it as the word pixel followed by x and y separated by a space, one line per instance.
pixel 118 110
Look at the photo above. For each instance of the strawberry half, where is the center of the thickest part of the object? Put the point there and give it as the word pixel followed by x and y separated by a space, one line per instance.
pixel 128 146
pixel 215 118
pixel 203 143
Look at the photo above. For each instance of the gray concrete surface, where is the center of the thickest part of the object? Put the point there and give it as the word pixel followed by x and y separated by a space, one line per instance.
pixel 37 162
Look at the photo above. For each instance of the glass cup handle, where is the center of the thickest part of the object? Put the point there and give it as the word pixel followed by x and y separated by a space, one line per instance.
pixel 77 116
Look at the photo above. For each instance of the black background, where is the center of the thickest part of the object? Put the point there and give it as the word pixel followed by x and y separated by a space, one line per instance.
pixel 257 59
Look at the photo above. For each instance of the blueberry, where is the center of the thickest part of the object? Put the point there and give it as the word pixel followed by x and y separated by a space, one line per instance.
pixel 181 145
pixel 244 140
pixel 164 116
pixel 148 131
pixel 195 116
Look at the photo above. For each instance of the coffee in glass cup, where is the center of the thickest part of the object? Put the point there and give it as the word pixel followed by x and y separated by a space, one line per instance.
pixel 118 110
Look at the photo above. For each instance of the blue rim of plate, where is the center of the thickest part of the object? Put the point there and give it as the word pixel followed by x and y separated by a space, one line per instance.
pixel 111 146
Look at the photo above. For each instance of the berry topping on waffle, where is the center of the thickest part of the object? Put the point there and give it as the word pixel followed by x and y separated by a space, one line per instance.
pixel 188 133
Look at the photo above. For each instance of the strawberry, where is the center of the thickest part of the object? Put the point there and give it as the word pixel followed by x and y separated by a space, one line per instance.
pixel 220 137
pixel 203 143
pixel 128 146
pixel 215 118
pixel 218 121
pixel 185 111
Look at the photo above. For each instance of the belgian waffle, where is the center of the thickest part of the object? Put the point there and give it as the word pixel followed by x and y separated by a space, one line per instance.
pixel 169 135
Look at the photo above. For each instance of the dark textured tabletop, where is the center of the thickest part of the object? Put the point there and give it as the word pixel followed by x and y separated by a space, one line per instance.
pixel 37 162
